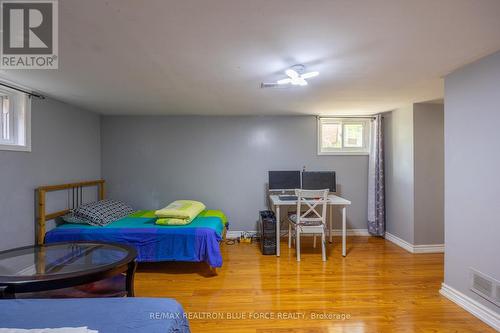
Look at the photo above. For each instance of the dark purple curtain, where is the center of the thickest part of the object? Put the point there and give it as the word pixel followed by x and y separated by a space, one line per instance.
pixel 376 180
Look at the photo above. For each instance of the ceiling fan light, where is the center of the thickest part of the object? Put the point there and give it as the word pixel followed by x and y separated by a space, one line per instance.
pixel 292 73
pixel 295 78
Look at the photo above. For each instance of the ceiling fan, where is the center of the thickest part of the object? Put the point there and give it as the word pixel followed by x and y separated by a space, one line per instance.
pixel 296 77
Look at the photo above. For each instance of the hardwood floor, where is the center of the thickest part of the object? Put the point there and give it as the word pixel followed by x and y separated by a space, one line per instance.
pixel 378 287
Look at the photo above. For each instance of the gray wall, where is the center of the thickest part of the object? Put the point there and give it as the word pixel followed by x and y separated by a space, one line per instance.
pixel 428 122
pixel 65 147
pixel 414 143
pixel 149 161
pixel 472 183
pixel 399 164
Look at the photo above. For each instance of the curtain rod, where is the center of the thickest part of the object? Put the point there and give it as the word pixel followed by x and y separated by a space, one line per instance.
pixel 353 117
pixel 29 93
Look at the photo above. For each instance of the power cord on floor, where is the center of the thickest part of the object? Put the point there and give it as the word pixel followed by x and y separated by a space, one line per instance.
pixel 245 237
pixel 249 237
pixel 231 241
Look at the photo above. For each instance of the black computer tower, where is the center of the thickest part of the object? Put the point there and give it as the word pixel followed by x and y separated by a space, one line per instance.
pixel 267 230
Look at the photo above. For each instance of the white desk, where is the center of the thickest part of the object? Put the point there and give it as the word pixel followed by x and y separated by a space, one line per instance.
pixel 333 200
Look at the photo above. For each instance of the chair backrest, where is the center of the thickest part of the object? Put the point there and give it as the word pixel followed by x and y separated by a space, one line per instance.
pixel 310 200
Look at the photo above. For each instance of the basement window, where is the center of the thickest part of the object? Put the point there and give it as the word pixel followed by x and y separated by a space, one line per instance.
pixel 15 131
pixel 343 136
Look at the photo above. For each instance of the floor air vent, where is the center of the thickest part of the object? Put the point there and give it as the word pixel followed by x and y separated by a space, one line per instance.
pixel 485 286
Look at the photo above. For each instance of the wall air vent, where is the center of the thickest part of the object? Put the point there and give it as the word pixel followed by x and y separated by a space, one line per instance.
pixel 485 286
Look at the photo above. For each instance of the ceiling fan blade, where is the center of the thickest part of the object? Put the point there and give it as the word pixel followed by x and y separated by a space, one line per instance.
pixel 291 73
pixel 284 81
pixel 268 85
pixel 301 82
pixel 309 75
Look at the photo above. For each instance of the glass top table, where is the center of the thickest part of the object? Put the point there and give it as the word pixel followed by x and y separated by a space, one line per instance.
pixel 62 265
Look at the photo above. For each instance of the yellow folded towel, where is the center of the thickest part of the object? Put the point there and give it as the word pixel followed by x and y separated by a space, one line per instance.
pixel 181 209
pixel 171 221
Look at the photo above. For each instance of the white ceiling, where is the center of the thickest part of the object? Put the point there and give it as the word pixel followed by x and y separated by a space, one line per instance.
pixel 209 56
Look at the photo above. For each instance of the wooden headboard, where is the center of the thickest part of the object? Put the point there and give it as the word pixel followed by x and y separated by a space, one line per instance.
pixel 75 197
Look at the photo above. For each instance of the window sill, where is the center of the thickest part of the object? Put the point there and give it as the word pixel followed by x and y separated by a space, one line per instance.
pixel 343 153
pixel 15 148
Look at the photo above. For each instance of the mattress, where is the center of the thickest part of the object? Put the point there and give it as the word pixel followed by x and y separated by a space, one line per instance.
pixel 109 315
pixel 195 242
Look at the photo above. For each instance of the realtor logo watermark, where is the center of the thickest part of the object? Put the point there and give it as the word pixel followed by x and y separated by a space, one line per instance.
pixel 29 34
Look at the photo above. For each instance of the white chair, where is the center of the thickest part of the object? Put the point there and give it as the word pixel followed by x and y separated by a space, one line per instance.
pixel 311 221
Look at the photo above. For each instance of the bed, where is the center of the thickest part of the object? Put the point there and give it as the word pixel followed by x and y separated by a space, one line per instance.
pixel 120 315
pixel 198 241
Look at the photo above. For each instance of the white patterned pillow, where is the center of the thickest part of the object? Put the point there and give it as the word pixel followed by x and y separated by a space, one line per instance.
pixel 71 218
pixel 102 212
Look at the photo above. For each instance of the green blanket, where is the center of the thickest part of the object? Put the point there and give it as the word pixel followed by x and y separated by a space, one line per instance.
pixel 214 213
pixel 205 213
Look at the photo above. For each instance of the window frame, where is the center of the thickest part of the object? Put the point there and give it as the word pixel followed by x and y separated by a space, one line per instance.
pixel 19 121
pixel 10 117
pixel 367 128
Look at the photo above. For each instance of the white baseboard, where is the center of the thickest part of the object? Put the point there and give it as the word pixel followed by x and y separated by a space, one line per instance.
pixel 231 234
pixel 430 248
pixel 477 309
pixel 399 242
